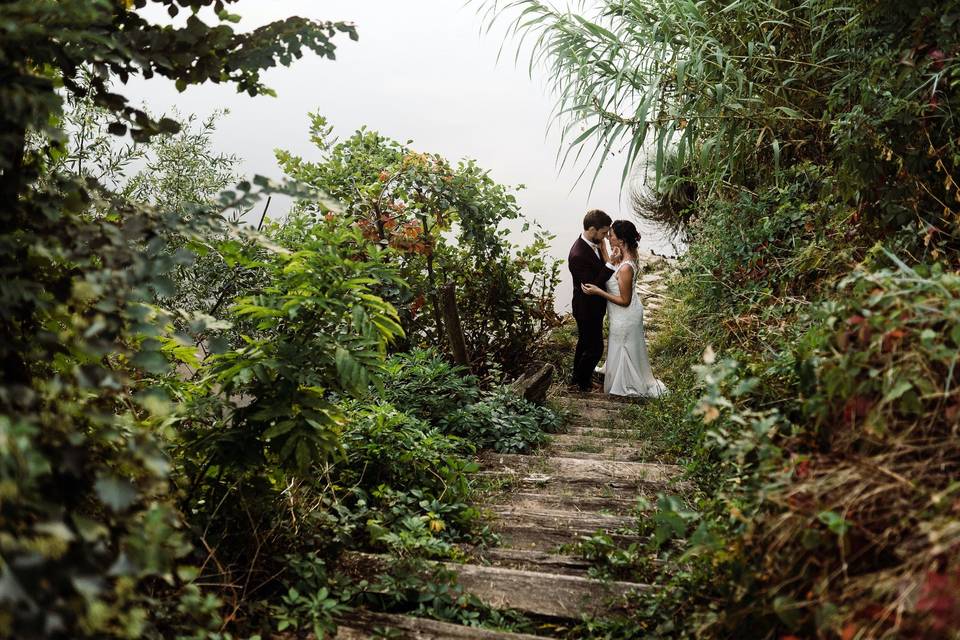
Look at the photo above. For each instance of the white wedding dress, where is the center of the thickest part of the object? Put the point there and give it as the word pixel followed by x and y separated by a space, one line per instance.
pixel 627 370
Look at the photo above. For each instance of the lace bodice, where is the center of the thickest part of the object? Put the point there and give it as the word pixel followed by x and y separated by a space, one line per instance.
pixel 613 283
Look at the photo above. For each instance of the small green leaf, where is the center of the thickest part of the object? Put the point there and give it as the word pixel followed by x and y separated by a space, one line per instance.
pixel 279 429
pixel 116 493
pixel 834 522
pixel 898 390
pixel 151 361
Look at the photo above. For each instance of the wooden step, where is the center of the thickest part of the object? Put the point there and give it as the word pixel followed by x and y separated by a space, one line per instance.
pixel 534 560
pixel 550 485
pixel 588 401
pixel 590 437
pixel 523 526
pixel 615 454
pixel 603 413
pixel 600 432
pixel 591 448
pixel 533 536
pixel 573 500
pixel 561 518
pixel 545 594
pixel 578 471
pixel 360 625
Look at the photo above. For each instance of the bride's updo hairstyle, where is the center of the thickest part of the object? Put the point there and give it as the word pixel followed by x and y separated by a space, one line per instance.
pixel 627 232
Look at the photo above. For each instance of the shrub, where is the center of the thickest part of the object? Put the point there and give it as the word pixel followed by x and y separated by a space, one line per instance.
pixel 91 538
pixel 316 330
pixel 443 223
pixel 504 422
pixel 425 384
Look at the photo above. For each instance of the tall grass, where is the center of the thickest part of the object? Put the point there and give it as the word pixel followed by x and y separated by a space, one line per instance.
pixel 808 152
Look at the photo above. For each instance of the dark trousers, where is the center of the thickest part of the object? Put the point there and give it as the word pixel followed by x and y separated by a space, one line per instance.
pixel 589 349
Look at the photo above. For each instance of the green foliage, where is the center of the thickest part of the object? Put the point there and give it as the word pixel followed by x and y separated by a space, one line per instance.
pixel 735 97
pixel 316 330
pixel 178 172
pixel 89 524
pixel 41 55
pixel 443 224
pixel 309 604
pixel 425 384
pixel 85 476
pixel 808 153
pixel 400 488
pixel 388 449
pixel 504 422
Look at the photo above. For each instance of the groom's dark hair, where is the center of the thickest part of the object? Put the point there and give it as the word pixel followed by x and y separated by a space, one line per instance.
pixel 596 219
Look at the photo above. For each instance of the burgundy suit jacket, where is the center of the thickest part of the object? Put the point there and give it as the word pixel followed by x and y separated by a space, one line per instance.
pixel 587 268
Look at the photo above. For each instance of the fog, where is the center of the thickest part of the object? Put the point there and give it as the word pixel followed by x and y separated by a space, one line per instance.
pixel 422 71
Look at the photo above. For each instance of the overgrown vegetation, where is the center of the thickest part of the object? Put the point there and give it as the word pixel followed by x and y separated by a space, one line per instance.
pixel 808 154
pixel 201 421
pixel 444 224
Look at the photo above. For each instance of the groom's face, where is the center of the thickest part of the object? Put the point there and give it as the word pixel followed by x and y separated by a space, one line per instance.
pixel 597 235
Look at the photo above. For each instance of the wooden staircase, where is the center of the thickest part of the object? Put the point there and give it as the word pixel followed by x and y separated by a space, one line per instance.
pixel 586 480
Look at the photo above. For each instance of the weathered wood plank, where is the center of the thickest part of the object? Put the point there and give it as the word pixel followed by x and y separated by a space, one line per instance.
pixel 535 383
pixel 597 414
pixel 361 625
pixel 541 537
pixel 534 560
pixel 545 594
pixel 574 470
pixel 607 433
pixel 592 448
pixel 551 485
pixel 573 501
pixel 585 401
pixel 561 518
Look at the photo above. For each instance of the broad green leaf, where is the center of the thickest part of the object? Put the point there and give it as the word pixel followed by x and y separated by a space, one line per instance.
pixel 116 493
pixel 279 429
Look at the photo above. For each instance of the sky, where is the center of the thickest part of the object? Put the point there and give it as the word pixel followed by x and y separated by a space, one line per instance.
pixel 423 71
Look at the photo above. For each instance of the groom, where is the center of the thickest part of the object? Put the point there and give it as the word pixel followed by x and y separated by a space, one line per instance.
pixel 589 264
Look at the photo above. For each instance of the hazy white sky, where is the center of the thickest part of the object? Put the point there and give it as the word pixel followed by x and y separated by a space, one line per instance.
pixel 421 71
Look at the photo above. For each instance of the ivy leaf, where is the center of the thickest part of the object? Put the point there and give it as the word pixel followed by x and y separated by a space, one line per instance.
pixel 116 493
pixel 151 361
pixel 787 610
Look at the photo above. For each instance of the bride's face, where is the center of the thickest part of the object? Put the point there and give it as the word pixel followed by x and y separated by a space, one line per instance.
pixel 614 240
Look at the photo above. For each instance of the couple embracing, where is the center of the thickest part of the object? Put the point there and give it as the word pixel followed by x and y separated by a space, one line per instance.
pixel 604 283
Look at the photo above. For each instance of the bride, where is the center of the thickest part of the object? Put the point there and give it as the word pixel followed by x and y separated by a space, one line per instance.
pixel 627 370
